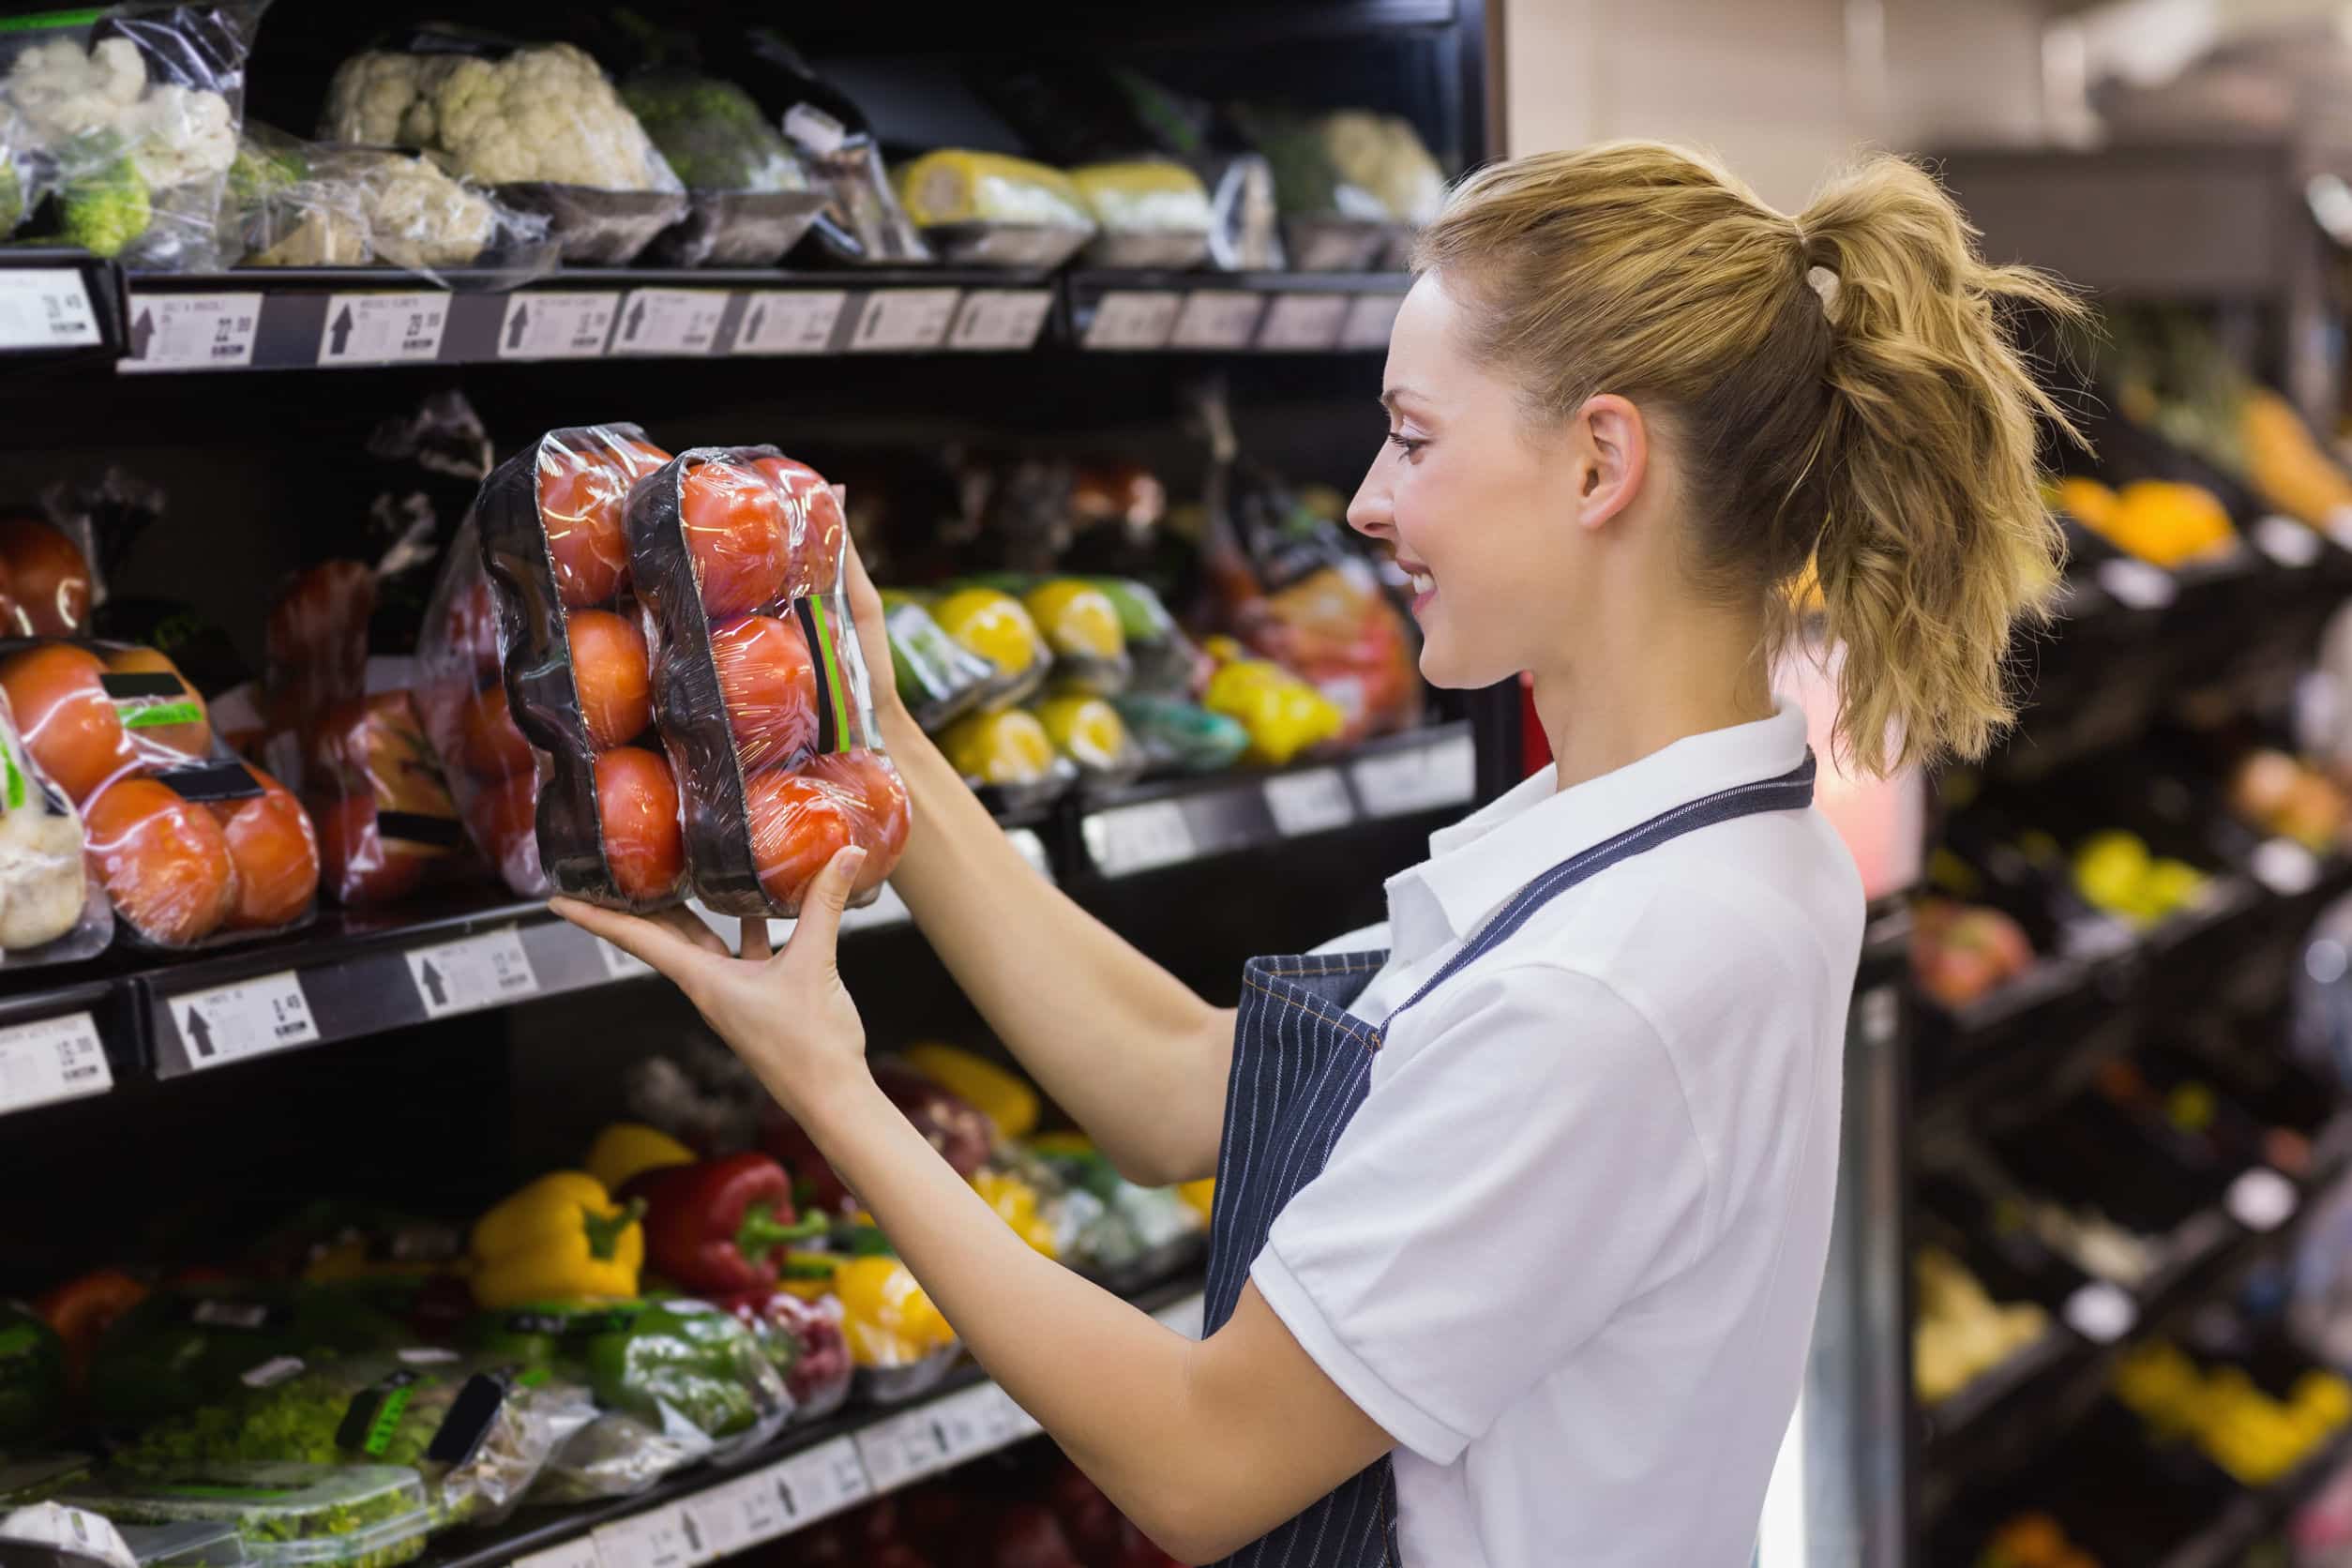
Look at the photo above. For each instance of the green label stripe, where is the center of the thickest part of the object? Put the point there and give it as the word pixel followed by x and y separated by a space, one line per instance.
pixel 829 662
pixel 16 779
pixel 48 19
pixel 386 1423
pixel 137 718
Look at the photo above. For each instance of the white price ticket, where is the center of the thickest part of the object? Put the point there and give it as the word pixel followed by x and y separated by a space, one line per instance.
pixel 191 332
pixel 51 1060
pixel 1370 319
pixel 1128 320
pixel 472 973
pixel 2283 867
pixel 2260 1199
pixel 1001 319
pixel 819 1483
pixel 2286 542
pixel 579 1553
pixel 969 1424
pixel 2137 585
pixel 383 328
pixel 1304 321
pixel 1420 778
pixel 1218 319
pixel 251 1017
pixel 904 321
pixel 669 320
pixel 1314 801
pixel 1140 837
pixel 2100 1312
pixel 902 1449
pixel 45 307
pixel 781 321
pixel 740 1513
pixel 657 1538
pixel 559 324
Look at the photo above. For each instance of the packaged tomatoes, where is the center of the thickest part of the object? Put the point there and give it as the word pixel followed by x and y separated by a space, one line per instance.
pixel 385 820
pixel 760 688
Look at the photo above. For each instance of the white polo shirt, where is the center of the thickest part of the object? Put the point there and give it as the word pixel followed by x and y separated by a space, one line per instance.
pixel 1568 1251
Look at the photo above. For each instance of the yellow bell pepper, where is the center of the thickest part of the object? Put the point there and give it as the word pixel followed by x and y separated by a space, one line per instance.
pixel 1016 1203
pixel 998 1094
pixel 1283 715
pixel 559 1239
pixel 1199 1196
pixel 629 1149
pixel 885 1316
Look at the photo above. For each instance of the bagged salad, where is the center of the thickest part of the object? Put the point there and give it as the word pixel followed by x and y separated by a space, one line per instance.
pixel 749 199
pixel 289 1515
pixel 183 1348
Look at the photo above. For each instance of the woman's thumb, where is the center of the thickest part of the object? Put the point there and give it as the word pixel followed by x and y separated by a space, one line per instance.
pixel 824 898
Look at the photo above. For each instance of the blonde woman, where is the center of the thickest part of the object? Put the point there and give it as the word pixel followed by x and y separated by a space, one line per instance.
pixel 1522 1199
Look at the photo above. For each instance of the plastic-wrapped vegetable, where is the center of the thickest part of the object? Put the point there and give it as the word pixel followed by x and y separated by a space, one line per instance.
pixel 289 1515
pixel 1330 177
pixel 1285 716
pixel 750 198
pixel 1147 214
pixel 1161 658
pixel 24 174
pixel 1177 736
pixel 1084 629
pixel 183 1348
pixel 489 765
pixel 32 1376
pixel 802 1340
pixel 938 678
pixel 1133 1229
pixel 385 816
pixel 998 627
pixel 1008 757
pixel 990 209
pixel 354 206
pixel 47 588
pixel 51 910
pixel 899 1341
pixel 765 708
pixel 862 221
pixel 1089 732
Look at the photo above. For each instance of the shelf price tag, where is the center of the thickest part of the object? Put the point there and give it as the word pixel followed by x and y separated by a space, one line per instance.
pixel 903 1449
pixel 1140 837
pixel 381 328
pixel 2260 1199
pixel 669 320
pixel 1186 1317
pixel 559 324
pixel 1133 320
pixel 997 319
pixel 738 1514
pixel 1314 801
pixel 579 1553
pixel 2100 1312
pixel 2286 542
pixel 51 1060
pixel 1218 319
pixel 1420 778
pixel 191 332
pixel 904 321
pixel 1370 319
pixel 252 1017
pixel 2137 585
pixel 818 1484
pixel 790 320
pixel 475 973
pixel 1300 323
pixel 657 1538
pixel 45 307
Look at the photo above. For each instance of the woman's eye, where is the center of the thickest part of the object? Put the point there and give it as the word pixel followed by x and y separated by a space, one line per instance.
pixel 1404 443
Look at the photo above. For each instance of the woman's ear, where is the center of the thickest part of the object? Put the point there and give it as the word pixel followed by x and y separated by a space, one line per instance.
pixel 1611 445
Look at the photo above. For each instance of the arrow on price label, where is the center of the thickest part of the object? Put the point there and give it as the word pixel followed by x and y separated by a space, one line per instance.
pixel 637 318
pixel 343 331
pixel 431 977
pixel 199 1032
pixel 751 327
pixel 514 326
pixel 141 334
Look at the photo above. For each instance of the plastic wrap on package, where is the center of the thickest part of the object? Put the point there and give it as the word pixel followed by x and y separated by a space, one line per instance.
pixel 52 911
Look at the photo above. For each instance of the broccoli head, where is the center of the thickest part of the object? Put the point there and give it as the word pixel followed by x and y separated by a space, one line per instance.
pixel 106 211
pixel 711 132
pixel 11 195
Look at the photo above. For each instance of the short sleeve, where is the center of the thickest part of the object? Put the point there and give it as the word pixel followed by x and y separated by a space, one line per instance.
pixel 1526 1172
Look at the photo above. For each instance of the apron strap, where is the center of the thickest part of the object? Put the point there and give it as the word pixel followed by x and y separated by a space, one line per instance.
pixel 1791 792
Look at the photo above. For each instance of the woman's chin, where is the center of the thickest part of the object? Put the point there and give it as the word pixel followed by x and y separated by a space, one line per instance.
pixel 1443 669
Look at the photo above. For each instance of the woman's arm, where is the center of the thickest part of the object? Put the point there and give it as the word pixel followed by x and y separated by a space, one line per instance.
pixel 1206 1446
pixel 1134 1055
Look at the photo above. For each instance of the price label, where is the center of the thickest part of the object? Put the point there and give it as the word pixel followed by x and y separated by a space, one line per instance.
pixel 657 1538
pixel 819 1483
pixel 2137 585
pixel 741 1514
pixel 1419 779
pixel 51 1060
pixel 46 307
pixel 251 1017
pixel 579 1553
pixel 903 1449
pixel 1130 320
pixel 383 328
pixel 277 1369
pixel 791 321
pixel 1138 837
pixel 904 321
pixel 192 332
pixel 2097 937
pixel 2100 1312
pixel 2286 542
pixel 2283 867
pixel 1001 319
pixel 620 965
pixel 1031 848
pixel 468 976
pixel 1370 319
pixel 969 1424
pixel 1303 321
pixel 1314 801
pixel 887 909
pixel 669 320
pixel 561 323
pixel 1186 1317
pixel 1218 319
pixel 2260 1199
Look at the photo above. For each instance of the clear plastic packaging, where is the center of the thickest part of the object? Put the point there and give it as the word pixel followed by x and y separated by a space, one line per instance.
pixel 594 227
pixel 47 587
pixel 1147 213
pixel 990 209
pixel 764 703
pixel 577 674
pixel 27 176
pixel 861 222
pixel 1009 759
pixel 803 1341
pixel 938 678
pixel 1089 732
pixel 190 1544
pixel 488 764
pixel 136 108
pixel 994 626
pixel 1177 736
pixel 749 199
pixel 1331 220
pixel 386 822
pixel 289 1515
pixel 51 912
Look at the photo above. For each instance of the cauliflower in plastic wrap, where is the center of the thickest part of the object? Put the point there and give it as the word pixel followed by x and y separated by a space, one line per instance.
pixel 419 216
pixel 542 113
pixel 62 92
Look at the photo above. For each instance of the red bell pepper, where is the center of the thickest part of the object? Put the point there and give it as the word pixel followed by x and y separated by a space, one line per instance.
pixel 82 1308
pixel 719 1228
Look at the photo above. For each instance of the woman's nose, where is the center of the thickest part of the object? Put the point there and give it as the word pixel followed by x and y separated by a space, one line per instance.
pixel 1369 512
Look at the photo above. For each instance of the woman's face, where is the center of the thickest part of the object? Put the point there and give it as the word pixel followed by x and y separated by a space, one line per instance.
pixel 1475 506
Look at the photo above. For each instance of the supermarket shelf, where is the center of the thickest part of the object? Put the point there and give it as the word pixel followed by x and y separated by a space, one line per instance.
pixel 2254 1516
pixel 332 318
pixel 59 303
pixel 808 1474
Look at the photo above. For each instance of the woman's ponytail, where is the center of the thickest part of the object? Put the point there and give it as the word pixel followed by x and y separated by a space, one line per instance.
pixel 1937 543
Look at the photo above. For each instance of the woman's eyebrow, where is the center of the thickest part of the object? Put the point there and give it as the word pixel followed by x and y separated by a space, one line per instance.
pixel 1389 396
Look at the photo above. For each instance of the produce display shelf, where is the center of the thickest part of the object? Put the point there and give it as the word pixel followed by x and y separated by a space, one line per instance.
pixel 1267 312
pixel 2250 1519
pixel 808 1474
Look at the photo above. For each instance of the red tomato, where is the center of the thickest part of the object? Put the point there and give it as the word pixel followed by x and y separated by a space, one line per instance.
pixel 192 738
pixel 733 523
pixel 354 866
pixel 316 639
pixel 47 578
pixel 612 676
pixel 493 747
pixel 797 824
pixel 164 861
pixel 881 817
pixel 579 505
pixel 770 688
pixel 470 624
pixel 67 719
pixel 504 818
pixel 814 523
pixel 636 805
pixel 276 854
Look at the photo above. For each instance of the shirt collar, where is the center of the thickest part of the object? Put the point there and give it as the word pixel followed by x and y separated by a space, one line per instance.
pixel 1480 861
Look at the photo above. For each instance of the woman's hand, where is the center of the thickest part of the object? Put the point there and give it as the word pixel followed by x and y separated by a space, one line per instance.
pixel 786 1014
